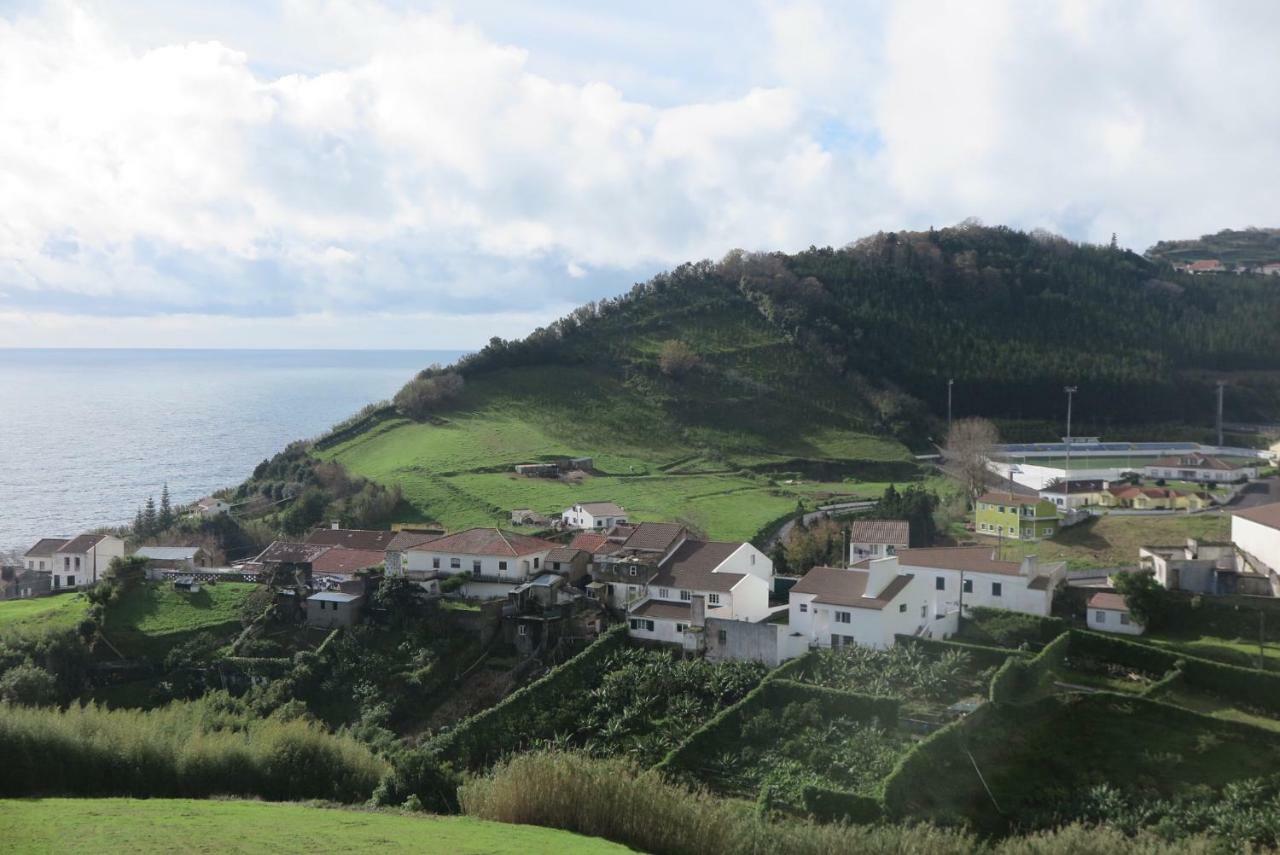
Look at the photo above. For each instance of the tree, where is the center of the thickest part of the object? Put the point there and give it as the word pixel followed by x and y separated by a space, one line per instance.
pixel 970 444
pixel 676 359
pixel 820 543
pixel 423 396
pixel 165 518
pixel 149 518
pixel 915 505
pixel 1147 599
pixel 127 572
pixel 29 685
pixel 399 596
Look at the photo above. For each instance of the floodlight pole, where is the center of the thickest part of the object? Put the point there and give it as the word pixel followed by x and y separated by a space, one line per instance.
pixel 1070 390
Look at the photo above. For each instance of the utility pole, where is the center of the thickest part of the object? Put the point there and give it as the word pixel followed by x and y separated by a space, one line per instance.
pixel 950 383
pixel 1262 636
pixel 1070 390
pixel 1221 384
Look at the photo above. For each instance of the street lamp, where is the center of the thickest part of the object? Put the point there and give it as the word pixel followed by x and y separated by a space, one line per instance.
pixel 1070 390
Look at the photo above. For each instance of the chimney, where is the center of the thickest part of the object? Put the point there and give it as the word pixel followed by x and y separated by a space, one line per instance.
pixel 335 525
pixel 882 572
pixel 1030 567
pixel 698 610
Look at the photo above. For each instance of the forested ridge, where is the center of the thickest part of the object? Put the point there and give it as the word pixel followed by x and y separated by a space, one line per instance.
pixel 1010 316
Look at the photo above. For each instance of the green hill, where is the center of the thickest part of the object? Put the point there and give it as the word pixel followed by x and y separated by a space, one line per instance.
pixel 702 392
pixel 1243 248
pixel 184 825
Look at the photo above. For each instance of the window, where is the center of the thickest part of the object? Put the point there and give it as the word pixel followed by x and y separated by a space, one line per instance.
pixel 714 599
pixel 1048 532
pixel 55 582
pixel 77 562
pixel 968 586
pixel 535 563
pixel 475 567
pixel 599 523
pixel 924 611
pixel 642 625
pixel 686 596
pixel 804 607
pixel 722 636
pixel 1100 617
pixel 1002 509
pixel 753 559
pixel 940 583
pixel 1124 619
pixel 902 609
pixel 632 571
pixel 455 563
pixel 435 563
pixel 842 641
pixel 997 589
pixel 681 627
pixel 502 565
pixel 523 629
pixel 844 617
pixel 664 593
pixel 66 563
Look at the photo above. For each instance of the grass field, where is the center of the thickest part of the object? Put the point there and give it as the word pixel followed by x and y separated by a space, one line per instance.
pixel 1243 652
pixel 1113 540
pixel 151 618
pixel 460 472
pixel 24 618
pixel 164 826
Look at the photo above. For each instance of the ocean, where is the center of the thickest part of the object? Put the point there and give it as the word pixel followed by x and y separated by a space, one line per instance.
pixel 87 435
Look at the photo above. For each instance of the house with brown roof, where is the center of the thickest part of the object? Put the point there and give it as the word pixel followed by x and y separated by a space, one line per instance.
pixel 877 538
pixel 593 516
pixel 1108 612
pixel 1152 498
pixel 404 540
pixel 1203 468
pixel 211 506
pixel 957 577
pixel 82 560
pixel 868 606
pixel 40 557
pixel 1206 265
pixel 493 561
pixel 1256 535
pixel 670 583
pixel 352 538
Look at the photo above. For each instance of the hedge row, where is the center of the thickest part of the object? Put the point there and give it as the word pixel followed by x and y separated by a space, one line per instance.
pixel 1248 686
pixel 794 669
pixel 479 740
pixel 723 732
pixel 838 806
pixel 982 655
pixel 1169 681
pixel 932 758
pixel 1019 678
pixel 1005 628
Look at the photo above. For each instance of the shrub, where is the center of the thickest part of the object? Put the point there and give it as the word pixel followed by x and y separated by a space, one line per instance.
pixel 28 685
pixel 1148 600
pixel 676 359
pixel 835 806
pixel 981 655
pixel 1004 628
pixel 423 396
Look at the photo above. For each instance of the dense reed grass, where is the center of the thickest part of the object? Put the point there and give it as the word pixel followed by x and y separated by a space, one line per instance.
pixel 616 801
pixel 203 748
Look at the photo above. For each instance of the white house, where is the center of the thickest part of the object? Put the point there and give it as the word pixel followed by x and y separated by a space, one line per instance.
pixel 495 562
pixel 40 557
pixel 1108 613
pixel 83 560
pixel 593 515
pixel 211 506
pixel 1199 467
pixel 835 607
pixel 400 544
pixel 1256 533
pixel 973 576
pixel 694 581
pixel 1073 493
pixel 877 538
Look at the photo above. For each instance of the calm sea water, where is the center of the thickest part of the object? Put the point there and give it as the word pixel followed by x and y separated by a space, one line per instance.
pixel 87 435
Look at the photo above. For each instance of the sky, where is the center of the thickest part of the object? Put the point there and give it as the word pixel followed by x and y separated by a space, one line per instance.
pixel 371 174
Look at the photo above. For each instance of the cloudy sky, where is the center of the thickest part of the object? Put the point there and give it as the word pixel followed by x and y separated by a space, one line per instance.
pixel 395 174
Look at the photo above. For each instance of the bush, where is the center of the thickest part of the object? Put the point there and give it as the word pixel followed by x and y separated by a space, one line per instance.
pixel 1004 628
pixel 28 685
pixel 422 396
pixel 423 778
pixel 835 806
pixel 981 655
pixel 676 359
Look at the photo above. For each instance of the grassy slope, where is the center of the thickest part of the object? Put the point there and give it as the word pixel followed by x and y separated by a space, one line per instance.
pixel 658 465
pixel 162 825
pixel 153 617
pixel 1113 540
pixel 19 618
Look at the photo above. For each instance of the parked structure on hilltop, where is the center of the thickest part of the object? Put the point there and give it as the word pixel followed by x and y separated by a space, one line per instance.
pixel 877 538
pixel 1015 516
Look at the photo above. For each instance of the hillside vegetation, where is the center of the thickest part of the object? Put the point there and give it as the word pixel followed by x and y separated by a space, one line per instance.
pixel 1233 247
pixel 695 391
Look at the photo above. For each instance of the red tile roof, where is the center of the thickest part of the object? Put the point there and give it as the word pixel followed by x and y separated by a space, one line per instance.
pixel 1197 461
pixel 588 541
pixel 654 537
pixel 1108 602
pixel 46 546
pixel 487 541
pixel 341 560
pixel 839 587
pixel 661 610
pixel 1205 264
pixel 972 559
pixel 409 539
pixel 896 532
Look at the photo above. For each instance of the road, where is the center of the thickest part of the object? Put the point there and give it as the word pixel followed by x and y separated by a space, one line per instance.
pixel 784 531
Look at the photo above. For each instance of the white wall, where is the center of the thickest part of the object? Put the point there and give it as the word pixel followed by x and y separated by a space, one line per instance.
pixel 518 569
pixel 1038 477
pixel 578 518
pixel 817 622
pixel 663 631
pixel 1261 541
pixel 1106 620
pixel 748 559
pixel 1015 593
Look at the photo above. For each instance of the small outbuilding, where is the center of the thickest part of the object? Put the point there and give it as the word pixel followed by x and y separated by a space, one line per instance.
pixel 1108 612
pixel 328 609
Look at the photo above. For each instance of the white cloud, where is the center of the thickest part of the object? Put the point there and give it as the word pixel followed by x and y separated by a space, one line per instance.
pixel 341 157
